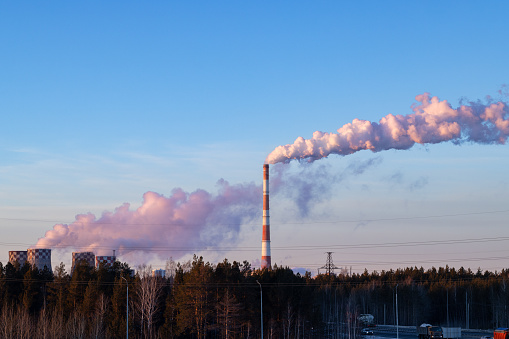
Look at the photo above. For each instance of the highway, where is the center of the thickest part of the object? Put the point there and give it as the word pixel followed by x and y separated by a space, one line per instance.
pixel 409 332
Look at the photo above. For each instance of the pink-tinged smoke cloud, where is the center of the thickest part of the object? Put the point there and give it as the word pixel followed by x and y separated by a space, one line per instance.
pixel 169 226
pixel 433 121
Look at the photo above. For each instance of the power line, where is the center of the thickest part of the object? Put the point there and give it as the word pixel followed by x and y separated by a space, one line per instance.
pixel 451 215
pixel 413 263
pixel 295 247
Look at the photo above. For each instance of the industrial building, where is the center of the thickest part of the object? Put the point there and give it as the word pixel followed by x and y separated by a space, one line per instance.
pixel 82 257
pixel 106 260
pixel 19 257
pixel 39 257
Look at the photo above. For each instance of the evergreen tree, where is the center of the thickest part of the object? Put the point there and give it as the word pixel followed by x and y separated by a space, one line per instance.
pixel 193 296
pixel 31 290
pixel 116 317
pixel 57 291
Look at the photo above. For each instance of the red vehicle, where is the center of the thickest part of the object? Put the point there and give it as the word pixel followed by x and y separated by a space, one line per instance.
pixel 501 333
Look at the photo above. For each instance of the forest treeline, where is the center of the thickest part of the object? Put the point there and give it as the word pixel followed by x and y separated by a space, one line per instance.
pixel 201 300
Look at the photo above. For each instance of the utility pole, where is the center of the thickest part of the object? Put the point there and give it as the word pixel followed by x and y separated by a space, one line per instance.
pixel 466 309
pixel 127 307
pixel 261 305
pixel 397 320
pixel 447 308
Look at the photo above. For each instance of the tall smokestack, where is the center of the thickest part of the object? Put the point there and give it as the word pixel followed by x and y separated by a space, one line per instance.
pixel 266 262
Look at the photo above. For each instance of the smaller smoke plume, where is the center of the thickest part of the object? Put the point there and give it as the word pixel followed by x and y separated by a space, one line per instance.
pixel 433 121
pixel 310 184
pixel 181 223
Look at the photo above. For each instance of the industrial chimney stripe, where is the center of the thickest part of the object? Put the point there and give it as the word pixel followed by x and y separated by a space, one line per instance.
pixel 266 260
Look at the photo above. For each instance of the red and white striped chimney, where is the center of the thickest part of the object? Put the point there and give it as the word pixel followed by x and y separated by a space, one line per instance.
pixel 266 263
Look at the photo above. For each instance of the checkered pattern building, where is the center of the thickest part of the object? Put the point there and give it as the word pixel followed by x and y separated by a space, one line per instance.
pixel 18 256
pixel 86 257
pixel 39 257
pixel 108 260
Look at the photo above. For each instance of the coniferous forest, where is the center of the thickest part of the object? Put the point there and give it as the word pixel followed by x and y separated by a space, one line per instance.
pixel 202 300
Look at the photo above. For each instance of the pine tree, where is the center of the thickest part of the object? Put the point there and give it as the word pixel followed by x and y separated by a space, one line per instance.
pixel 193 298
pixel 57 291
pixel 31 290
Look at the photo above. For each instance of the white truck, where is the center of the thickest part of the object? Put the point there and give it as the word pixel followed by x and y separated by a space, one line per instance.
pixel 366 320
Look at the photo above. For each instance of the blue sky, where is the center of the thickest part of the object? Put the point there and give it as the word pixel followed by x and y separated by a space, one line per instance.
pixel 102 102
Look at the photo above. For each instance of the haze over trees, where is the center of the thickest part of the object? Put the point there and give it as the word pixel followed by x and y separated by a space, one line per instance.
pixel 198 299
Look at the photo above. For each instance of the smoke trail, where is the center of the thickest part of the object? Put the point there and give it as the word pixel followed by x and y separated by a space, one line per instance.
pixel 433 121
pixel 309 184
pixel 181 222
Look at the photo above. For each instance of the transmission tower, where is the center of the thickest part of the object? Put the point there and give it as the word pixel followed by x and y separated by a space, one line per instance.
pixel 329 265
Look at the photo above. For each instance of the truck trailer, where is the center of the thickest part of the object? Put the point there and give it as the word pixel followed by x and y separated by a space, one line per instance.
pixel 501 333
pixel 451 332
pixel 427 331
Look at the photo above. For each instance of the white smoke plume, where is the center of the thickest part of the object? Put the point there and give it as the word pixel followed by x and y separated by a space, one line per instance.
pixel 309 184
pixel 433 121
pixel 184 223
pixel 168 226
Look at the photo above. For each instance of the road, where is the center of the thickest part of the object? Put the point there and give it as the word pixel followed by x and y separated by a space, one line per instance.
pixel 409 332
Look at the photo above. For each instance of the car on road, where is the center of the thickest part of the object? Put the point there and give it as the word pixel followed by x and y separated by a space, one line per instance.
pixel 367 331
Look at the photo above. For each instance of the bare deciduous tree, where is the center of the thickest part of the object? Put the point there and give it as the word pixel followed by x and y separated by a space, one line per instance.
pixel 7 321
pixel 148 293
pixel 57 328
pixel 76 325
pixel 42 330
pixel 228 313
pixel 289 314
pixel 97 328
pixel 170 268
pixel 24 323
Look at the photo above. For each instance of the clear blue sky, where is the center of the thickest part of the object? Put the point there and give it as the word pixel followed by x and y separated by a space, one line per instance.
pixel 102 102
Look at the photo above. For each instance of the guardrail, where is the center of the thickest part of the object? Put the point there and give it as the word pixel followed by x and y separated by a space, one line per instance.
pixel 465 333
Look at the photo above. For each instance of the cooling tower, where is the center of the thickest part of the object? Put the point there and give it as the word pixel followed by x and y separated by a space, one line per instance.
pixel 85 257
pixel 107 260
pixel 39 257
pixel 266 262
pixel 19 257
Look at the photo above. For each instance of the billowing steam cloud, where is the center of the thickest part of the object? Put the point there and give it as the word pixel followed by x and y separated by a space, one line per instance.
pixel 186 222
pixel 181 223
pixel 433 121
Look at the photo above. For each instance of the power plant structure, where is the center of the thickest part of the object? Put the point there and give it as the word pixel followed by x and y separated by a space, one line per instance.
pixel 266 260
pixel 87 258
pixel 19 257
pixel 39 257
pixel 106 260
